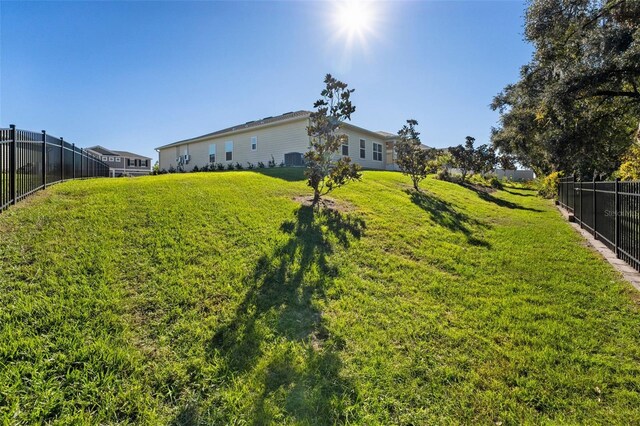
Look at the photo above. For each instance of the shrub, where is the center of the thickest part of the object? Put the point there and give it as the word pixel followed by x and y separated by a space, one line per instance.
pixel 205 168
pixel 230 166
pixel 443 174
pixel 172 169
pixel 163 172
pixel 495 182
pixel 195 169
pixel 548 187
pixel 238 166
pixel 260 165
pixel 630 168
pixel 281 164
pixel 272 162
pixel 412 158
pixel 250 165
pixel 219 166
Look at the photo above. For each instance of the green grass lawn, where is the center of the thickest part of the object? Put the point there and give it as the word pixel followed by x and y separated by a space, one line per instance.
pixel 215 298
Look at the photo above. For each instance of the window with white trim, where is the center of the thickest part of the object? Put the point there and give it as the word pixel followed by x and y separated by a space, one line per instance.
pixel 111 159
pixel 363 151
pixel 254 143
pixel 228 151
pixel 104 158
pixel 117 159
pixel 377 151
pixel 345 146
pixel 212 153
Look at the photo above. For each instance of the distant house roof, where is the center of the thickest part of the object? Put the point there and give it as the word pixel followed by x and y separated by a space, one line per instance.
pixel 101 150
pixel 104 151
pixel 130 154
pixel 249 124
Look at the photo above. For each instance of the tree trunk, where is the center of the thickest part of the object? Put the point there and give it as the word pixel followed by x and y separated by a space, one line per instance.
pixel 316 198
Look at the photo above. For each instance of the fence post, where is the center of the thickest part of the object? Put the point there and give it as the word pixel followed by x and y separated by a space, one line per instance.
pixel 44 158
pixel 617 218
pixel 61 159
pixel 13 165
pixel 572 194
pixel 581 227
pixel 595 216
pixel 73 149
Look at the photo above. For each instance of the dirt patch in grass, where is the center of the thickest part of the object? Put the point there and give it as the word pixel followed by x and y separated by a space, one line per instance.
pixel 327 203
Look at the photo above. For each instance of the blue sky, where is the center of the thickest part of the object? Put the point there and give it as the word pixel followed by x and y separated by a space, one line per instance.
pixel 137 75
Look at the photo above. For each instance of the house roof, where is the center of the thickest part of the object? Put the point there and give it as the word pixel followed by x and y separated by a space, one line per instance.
pixel 287 116
pixel 101 150
pixel 386 134
pixel 130 154
pixel 249 124
pixel 104 151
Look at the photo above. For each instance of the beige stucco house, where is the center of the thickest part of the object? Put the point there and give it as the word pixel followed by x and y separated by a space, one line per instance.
pixel 283 138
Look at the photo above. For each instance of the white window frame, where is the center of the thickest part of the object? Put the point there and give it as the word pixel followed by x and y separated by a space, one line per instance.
pixel 212 151
pixel 379 151
pixel 111 159
pixel 254 143
pixel 228 149
pixel 117 159
pixel 363 148
pixel 105 158
pixel 342 147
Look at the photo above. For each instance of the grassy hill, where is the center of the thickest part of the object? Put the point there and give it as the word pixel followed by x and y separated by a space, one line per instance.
pixel 217 298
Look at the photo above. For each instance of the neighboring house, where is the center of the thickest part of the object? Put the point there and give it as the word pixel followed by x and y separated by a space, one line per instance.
pixel 122 163
pixel 283 138
pixel 519 175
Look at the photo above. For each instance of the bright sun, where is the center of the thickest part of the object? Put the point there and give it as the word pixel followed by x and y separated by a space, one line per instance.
pixel 355 20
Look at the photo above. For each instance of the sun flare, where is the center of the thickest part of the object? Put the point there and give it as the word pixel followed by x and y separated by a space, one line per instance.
pixel 355 20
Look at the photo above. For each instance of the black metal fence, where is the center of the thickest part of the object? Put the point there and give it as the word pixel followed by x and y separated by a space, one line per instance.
pixel 30 161
pixel 610 210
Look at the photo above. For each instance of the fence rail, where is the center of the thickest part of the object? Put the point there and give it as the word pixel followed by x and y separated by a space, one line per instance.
pixel 30 161
pixel 610 210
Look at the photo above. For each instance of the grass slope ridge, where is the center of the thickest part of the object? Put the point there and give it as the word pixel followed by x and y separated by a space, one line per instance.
pixel 215 298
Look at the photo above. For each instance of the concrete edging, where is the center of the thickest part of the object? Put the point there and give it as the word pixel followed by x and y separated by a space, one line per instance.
pixel 628 273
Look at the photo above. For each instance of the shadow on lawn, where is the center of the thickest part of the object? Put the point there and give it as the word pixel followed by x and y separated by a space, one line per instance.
pixel 444 214
pixel 518 193
pixel 290 174
pixel 486 196
pixel 280 309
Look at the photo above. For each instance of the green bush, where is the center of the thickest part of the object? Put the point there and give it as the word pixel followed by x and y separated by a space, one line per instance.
pixel 494 182
pixel 548 187
pixel 443 174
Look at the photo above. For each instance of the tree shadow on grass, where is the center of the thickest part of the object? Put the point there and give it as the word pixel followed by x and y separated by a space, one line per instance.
pixel 290 174
pixel 444 214
pixel 281 309
pixel 518 193
pixel 486 196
